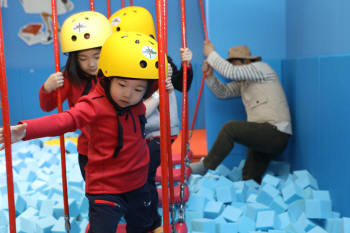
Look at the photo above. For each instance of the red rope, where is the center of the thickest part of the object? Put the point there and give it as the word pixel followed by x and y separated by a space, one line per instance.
pixel 184 97
pixel 162 111
pixel 108 9
pixel 123 3
pixel 92 6
pixel 130 2
pixel 59 106
pixel 7 134
pixel 203 79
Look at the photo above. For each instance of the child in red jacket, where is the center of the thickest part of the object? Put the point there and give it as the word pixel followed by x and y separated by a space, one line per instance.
pixel 114 117
pixel 82 36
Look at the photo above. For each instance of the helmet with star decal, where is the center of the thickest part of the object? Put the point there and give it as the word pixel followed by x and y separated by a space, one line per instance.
pixel 130 55
pixel 84 30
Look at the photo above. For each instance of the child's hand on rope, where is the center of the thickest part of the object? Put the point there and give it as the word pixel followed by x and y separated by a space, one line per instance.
pixel 55 81
pixel 186 55
pixel 207 69
pixel 169 85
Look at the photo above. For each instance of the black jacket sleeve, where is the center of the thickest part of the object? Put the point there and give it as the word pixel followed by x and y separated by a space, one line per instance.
pixel 177 77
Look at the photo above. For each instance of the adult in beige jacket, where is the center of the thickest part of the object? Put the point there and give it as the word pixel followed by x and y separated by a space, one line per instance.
pixel 268 126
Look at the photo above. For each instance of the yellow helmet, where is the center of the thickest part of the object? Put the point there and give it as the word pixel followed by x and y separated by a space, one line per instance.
pixel 133 18
pixel 84 30
pixel 130 55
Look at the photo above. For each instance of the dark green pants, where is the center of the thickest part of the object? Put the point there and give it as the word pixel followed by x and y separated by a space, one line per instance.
pixel 263 140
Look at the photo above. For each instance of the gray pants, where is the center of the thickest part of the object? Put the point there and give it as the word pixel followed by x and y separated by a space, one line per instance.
pixel 263 140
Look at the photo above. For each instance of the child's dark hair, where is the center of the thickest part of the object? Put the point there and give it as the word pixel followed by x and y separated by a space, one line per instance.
pixel 74 73
pixel 106 83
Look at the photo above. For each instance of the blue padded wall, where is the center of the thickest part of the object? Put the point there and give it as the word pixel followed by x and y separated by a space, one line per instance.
pixel 318 94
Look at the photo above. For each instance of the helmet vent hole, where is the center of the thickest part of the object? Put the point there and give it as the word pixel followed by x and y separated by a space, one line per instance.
pixel 135 11
pixel 138 34
pixel 143 64
pixel 152 36
pixel 87 18
pixel 124 14
pixel 118 29
pixel 74 38
pixel 151 42
pixel 124 36
pixel 137 42
pixel 87 36
pixel 157 65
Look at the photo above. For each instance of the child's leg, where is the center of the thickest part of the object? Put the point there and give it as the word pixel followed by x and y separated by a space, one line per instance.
pixel 138 216
pixel 154 151
pixel 105 212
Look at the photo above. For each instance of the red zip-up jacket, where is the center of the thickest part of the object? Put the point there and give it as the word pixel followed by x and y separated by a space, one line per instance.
pixel 48 102
pixel 104 173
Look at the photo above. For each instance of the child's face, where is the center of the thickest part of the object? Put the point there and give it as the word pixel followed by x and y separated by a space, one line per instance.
pixel 88 60
pixel 127 92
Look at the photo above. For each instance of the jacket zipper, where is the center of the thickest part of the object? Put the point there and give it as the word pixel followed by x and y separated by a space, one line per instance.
pixel 107 202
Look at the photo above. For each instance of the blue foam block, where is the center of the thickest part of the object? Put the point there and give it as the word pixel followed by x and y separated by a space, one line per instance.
pixel 4 217
pixel 46 208
pixel 84 205
pixel 45 225
pixel 191 215
pixel 267 220
pixel 317 229
pixel 70 146
pixel 235 174
pixel 331 225
pixel 222 170
pixel 226 194
pixel 292 193
pixel 267 194
pixel 223 182
pixel 285 219
pixel 213 209
pixel 24 225
pixel 295 209
pixel 20 204
pixel 295 228
pixel 227 227
pixel 278 205
pixel 318 209
pixel 344 225
pixel 231 214
pixel 321 195
pixel 306 223
pixel 272 180
pixel 29 213
pixel 203 225
pixel 196 202
pixel 59 227
pixel 245 225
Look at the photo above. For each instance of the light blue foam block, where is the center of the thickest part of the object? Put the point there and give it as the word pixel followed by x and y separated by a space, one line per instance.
pixel 226 194
pixel 331 225
pixel 196 202
pixel 318 209
pixel 226 227
pixel 4 217
pixel 223 182
pixel 45 225
pixel 59 227
pixel 204 225
pixel 46 208
pixel 295 209
pixel 320 194
pixel 70 146
pixel 272 180
pixel 24 225
pixel 295 228
pixel 222 170
pixel 235 174
pixel 344 225
pixel 231 214
pixel 267 194
pixel 317 229
pixel 278 205
pixel 191 215
pixel 292 193
pixel 213 209
pixel 267 220
pixel 306 223
pixel 245 225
